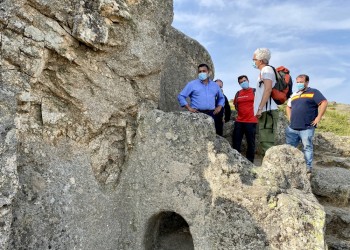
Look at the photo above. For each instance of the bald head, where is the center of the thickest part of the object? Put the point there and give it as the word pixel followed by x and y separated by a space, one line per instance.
pixel 220 83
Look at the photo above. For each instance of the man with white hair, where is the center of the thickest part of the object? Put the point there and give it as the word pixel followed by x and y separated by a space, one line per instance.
pixel 265 108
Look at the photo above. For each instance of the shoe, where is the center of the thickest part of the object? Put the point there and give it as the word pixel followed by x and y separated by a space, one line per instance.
pixel 309 170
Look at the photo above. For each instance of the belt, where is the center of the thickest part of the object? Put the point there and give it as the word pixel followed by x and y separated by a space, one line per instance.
pixel 205 110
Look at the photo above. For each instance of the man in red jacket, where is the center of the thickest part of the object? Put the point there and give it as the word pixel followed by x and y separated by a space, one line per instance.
pixel 246 121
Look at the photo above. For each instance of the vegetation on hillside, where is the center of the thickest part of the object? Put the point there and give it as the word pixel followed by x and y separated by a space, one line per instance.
pixel 335 120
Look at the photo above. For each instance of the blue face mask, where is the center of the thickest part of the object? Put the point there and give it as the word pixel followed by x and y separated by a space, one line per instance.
pixel 300 86
pixel 202 76
pixel 254 65
pixel 245 85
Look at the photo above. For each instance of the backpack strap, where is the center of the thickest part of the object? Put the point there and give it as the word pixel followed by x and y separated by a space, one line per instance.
pixel 274 70
pixel 235 102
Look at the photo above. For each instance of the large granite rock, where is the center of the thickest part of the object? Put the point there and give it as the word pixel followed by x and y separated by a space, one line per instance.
pixel 176 75
pixel 74 77
pixel 78 78
pixel 333 184
pixel 226 201
pixel 9 182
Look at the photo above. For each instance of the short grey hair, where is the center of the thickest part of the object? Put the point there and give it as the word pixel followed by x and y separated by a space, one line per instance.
pixel 263 54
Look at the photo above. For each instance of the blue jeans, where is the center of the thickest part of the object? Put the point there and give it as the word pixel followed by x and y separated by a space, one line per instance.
pixel 294 137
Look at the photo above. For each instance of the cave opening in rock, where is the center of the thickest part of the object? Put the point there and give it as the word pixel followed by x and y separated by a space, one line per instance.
pixel 168 231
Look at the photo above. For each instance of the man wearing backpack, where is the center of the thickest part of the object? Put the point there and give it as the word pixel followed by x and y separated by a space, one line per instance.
pixel 265 108
pixel 305 109
pixel 246 121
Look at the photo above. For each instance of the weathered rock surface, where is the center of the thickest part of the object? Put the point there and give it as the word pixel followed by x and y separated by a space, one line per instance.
pixel 338 227
pixel 226 201
pixel 77 78
pixel 8 168
pixel 331 187
pixel 332 184
pixel 175 76
pixel 330 180
pixel 74 77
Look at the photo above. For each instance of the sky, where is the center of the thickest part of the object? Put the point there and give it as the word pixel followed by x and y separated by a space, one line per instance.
pixel 306 36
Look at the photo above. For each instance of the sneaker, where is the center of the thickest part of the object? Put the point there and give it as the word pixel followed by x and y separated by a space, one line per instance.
pixel 309 170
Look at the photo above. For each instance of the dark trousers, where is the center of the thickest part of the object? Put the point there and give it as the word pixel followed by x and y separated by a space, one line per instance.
pixel 249 130
pixel 219 125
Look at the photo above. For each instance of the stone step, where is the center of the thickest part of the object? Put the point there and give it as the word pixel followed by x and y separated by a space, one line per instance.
pixel 331 185
pixel 325 160
pixel 337 244
pixel 338 222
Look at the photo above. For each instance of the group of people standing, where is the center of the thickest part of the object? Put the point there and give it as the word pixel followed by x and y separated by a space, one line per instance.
pixel 256 109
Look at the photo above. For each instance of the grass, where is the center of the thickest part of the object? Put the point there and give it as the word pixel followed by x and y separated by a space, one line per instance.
pixel 335 120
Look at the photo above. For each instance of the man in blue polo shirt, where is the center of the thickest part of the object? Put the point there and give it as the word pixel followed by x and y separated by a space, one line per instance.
pixel 305 109
pixel 206 96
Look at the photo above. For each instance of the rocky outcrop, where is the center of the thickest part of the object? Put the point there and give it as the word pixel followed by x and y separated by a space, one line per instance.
pixel 9 182
pixel 74 77
pixel 86 163
pixel 331 185
pixel 226 201
pixel 175 76
pixel 330 180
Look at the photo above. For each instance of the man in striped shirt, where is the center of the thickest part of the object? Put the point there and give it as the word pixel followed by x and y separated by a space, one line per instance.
pixel 304 109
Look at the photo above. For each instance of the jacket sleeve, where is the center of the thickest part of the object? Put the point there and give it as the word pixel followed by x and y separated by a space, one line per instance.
pixel 227 110
pixel 221 98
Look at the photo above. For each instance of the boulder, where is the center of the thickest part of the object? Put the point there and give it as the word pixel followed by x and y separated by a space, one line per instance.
pixel 332 184
pixel 226 201
pixel 86 160
pixel 74 77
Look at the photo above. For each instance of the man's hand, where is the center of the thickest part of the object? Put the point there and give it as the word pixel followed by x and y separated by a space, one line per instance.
pixel 316 121
pixel 192 110
pixel 258 114
pixel 321 110
pixel 217 110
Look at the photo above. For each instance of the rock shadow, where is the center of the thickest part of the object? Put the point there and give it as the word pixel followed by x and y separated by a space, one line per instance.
pixel 168 231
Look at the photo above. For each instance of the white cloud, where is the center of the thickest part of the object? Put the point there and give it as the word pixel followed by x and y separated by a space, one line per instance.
pixel 306 36
pixel 212 3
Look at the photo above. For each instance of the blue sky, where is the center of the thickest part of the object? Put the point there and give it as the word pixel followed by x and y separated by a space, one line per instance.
pixel 309 37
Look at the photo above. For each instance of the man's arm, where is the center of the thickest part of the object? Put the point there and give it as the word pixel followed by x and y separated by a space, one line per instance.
pixel 288 112
pixel 220 102
pixel 182 98
pixel 266 96
pixel 321 110
pixel 191 109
